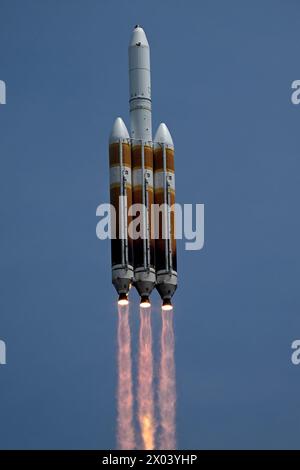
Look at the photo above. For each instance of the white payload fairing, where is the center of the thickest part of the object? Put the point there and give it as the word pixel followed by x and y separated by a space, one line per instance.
pixel 142 172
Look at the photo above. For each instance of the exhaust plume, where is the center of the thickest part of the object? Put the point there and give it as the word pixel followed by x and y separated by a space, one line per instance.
pixel 145 381
pixel 167 384
pixel 125 433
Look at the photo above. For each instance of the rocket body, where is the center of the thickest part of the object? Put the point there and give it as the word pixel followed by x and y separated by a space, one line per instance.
pixel 121 198
pixel 142 158
pixel 142 170
pixel 140 87
pixel 164 195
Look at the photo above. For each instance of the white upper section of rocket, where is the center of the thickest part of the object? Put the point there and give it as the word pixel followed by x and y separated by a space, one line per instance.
pixel 163 136
pixel 140 86
pixel 119 131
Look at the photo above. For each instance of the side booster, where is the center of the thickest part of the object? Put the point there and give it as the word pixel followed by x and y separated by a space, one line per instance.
pixel 143 172
pixel 121 199
pixel 164 196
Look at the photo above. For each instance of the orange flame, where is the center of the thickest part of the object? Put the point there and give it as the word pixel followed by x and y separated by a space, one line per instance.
pixel 126 438
pixel 167 383
pixel 145 381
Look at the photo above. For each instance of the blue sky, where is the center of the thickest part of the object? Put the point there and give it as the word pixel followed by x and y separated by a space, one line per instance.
pixel 221 78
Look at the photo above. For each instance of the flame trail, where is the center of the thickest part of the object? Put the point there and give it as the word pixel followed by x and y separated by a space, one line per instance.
pixel 145 381
pixel 167 384
pixel 126 438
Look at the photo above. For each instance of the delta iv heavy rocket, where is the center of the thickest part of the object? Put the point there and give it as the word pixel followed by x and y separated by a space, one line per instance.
pixel 142 172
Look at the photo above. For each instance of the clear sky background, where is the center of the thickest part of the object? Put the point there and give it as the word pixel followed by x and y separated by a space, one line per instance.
pixel 221 80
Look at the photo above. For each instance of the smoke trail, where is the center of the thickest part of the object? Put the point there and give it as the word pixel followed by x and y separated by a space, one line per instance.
pixel 145 381
pixel 167 384
pixel 126 438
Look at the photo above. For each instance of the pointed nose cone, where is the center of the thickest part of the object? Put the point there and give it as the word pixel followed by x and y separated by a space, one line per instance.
pixel 163 136
pixel 138 37
pixel 119 131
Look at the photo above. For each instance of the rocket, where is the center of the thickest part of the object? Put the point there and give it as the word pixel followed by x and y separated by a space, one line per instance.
pixel 142 172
